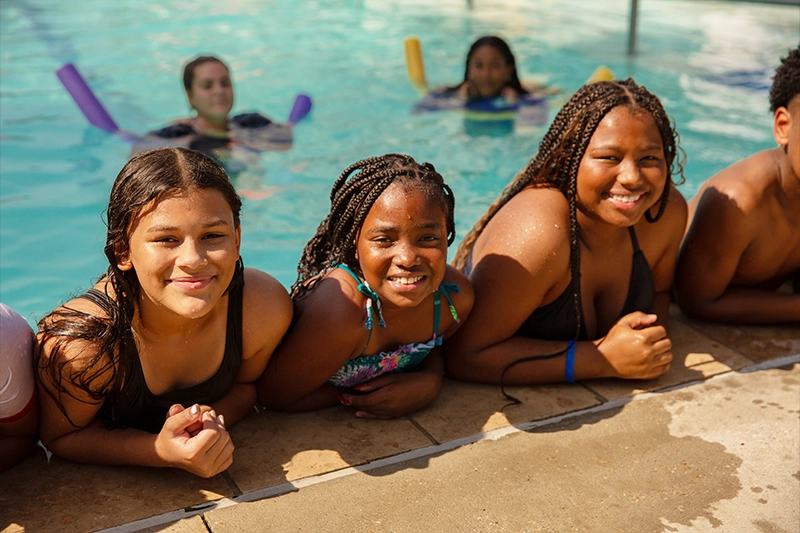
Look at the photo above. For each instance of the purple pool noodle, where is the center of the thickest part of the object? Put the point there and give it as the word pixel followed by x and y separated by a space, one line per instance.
pixel 86 100
pixel 301 107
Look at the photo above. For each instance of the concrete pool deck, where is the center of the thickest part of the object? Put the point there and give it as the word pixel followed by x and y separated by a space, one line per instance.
pixel 712 445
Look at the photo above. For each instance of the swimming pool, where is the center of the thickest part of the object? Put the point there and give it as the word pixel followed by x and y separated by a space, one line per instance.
pixel 710 62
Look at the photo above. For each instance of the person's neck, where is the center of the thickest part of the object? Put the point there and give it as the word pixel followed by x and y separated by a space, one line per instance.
pixel 788 179
pixel 596 234
pixel 213 128
pixel 152 321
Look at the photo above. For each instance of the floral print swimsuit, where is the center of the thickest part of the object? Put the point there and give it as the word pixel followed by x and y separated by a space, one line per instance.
pixel 366 367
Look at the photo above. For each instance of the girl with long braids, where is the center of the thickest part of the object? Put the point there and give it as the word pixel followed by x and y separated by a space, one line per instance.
pixel 573 264
pixel 154 363
pixel 374 296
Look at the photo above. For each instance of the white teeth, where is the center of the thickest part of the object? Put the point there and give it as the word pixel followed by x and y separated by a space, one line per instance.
pixel 406 281
pixel 625 199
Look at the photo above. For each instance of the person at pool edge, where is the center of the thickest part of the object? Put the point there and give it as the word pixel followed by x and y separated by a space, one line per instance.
pixel 572 266
pixel 209 91
pixel 743 242
pixel 159 359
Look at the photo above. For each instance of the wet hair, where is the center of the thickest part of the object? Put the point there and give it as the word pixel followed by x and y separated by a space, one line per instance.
pixel 352 196
pixel 146 179
pixel 191 66
pixel 786 83
pixel 501 46
pixel 559 156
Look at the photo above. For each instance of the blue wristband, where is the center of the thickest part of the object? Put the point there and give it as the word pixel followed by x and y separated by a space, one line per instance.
pixel 569 372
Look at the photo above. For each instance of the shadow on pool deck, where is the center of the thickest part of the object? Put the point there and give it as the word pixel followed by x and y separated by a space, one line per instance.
pixel 280 453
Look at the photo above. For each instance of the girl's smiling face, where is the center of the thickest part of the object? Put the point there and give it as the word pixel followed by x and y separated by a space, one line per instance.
pixel 488 71
pixel 211 94
pixel 402 246
pixel 184 250
pixel 623 172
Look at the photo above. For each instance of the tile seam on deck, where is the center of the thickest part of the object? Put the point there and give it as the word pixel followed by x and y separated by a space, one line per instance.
pixel 292 486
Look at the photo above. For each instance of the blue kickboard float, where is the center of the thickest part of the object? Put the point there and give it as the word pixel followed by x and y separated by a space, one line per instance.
pixel 528 109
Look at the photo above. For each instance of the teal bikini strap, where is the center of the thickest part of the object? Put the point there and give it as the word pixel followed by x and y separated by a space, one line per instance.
pixel 444 288
pixel 373 302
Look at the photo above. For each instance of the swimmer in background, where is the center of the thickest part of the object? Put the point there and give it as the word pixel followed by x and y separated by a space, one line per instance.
pixel 490 72
pixel 234 141
pixel 743 241
pixel 19 411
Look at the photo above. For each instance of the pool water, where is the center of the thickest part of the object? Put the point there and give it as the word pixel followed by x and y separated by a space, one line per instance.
pixel 710 62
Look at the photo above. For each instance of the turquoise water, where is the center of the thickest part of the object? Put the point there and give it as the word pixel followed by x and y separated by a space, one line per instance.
pixel 710 62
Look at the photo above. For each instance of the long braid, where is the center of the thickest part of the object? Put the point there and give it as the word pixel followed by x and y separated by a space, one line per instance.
pixel 558 159
pixel 353 194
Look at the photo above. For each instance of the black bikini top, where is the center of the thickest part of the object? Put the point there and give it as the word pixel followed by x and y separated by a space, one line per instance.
pixel 558 319
pixel 135 406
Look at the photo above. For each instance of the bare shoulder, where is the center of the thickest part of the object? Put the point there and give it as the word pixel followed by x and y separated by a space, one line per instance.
pixel 465 297
pixel 532 227
pixel 334 299
pixel 670 227
pixel 330 319
pixel 267 310
pixel 742 185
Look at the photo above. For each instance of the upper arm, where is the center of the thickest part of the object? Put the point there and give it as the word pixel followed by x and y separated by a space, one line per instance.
pixel 524 255
pixel 266 315
pixel 65 408
pixel 713 247
pixel 328 330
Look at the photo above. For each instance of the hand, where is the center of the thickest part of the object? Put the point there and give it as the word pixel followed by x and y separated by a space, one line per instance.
pixel 635 349
pixel 194 428
pixel 206 452
pixel 394 395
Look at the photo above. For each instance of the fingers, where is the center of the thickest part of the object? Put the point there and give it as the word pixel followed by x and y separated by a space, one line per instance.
pixel 637 320
pixel 175 409
pixel 377 383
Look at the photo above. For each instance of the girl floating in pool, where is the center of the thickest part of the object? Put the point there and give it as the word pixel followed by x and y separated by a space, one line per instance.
pixel 491 72
pixel 154 363
pixel 374 297
pixel 209 90
pixel 491 90
pixel 573 264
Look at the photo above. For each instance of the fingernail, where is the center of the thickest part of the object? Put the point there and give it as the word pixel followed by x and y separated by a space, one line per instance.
pixel 345 400
pixel 194 409
pixel 222 420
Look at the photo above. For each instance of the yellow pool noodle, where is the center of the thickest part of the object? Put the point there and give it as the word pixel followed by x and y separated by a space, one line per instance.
pixel 601 73
pixel 416 70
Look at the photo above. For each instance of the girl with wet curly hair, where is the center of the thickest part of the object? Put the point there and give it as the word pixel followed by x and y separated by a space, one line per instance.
pixel 154 363
pixel 374 297
pixel 573 264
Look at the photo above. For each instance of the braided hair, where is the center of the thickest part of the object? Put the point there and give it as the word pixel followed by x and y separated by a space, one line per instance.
pixel 352 196
pixel 559 156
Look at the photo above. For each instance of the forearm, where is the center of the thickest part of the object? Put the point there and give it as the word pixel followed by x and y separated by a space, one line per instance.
pixel 488 365
pixel 741 305
pixel 324 396
pixel 237 404
pixel 95 444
